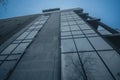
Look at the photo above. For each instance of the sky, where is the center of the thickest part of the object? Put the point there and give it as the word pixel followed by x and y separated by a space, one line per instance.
pixel 107 10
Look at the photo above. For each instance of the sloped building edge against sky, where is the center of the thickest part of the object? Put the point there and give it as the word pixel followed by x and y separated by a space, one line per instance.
pixel 107 10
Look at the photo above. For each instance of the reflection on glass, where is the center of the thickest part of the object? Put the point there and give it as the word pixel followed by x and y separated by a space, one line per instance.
pixel 80 22
pixel 94 67
pixel 92 35
pixel 17 41
pixel 112 59
pixel 78 36
pixel 13 57
pixel 9 49
pixel 76 32
pixel 64 23
pixel 32 35
pixel 28 41
pixel 65 33
pixel 23 35
pixel 42 22
pixel 84 26
pixel 71 67
pixel 72 22
pixel 88 31
pixel 66 37
pixel 21 48
pixel 65 29
pixel 74 27
pixel 83 44
pixel 37 22
pixel 99 43
pixel 39 26
pixel 67 45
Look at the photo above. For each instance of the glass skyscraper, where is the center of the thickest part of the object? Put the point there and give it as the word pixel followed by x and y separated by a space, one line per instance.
pixel 62 45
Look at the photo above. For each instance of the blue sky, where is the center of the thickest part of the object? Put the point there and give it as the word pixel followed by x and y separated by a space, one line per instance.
pixel 107 10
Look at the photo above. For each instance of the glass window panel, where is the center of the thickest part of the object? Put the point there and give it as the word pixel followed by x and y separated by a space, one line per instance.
pixel 74 27
pixel 88 31
pixel 32 27
pixel 71 67
pixel 77 19
pixel 84 26
pixel 32 35
pixel 76 16
pixel 42 22
pixel 39 26
pixel 21 48
pixel 24 41
pixel 12 57
pixel 78 36
pixel 65 28
pixel 83 44
pixel 66 37
pixel 94 67
pixel 29 30
pixel 9 49
pixel 64 23
pixel 63 17
pixel 17 41
pixel 2 57
pixel 70 19
pixel 42 19
pixel 67 45
pixel 68 16
pixel 37 22
pixel 112 59
pixel 36 29
pixel 23 35
pixel 72 22
pixel 73 14
pixel 91 35
pixel 80 22
pixel 99 43
pixel 63 20
pixel 65 33
pixel 76 32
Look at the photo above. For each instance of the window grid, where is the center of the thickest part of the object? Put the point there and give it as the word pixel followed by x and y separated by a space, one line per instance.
pixel 83 70
pixel 13 53
pixel 90 34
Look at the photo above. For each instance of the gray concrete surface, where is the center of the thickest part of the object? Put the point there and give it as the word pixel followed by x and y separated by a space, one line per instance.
pixel 41 60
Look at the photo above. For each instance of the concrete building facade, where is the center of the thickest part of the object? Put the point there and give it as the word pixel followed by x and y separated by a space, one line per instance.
pixel 61 45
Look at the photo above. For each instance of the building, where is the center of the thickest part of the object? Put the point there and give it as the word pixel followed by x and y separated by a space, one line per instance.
pixel 59 45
